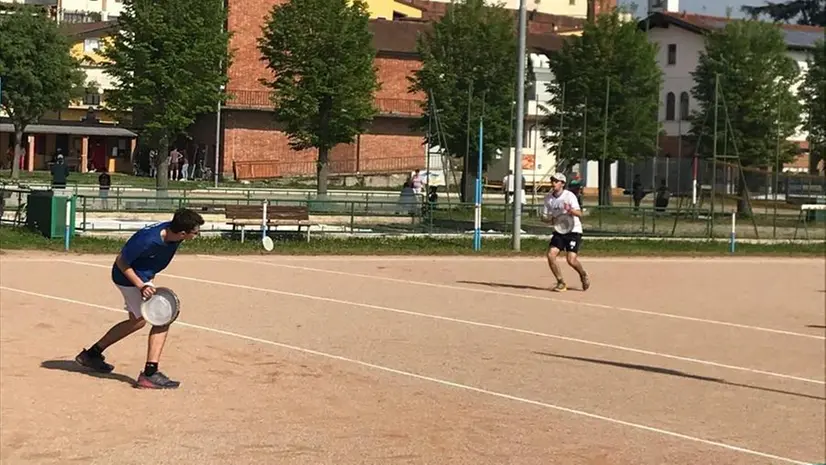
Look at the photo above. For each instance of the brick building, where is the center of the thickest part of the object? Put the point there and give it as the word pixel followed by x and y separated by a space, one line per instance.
pixel 253 146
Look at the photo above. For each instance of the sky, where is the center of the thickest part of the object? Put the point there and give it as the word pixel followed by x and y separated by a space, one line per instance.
pixel 708 7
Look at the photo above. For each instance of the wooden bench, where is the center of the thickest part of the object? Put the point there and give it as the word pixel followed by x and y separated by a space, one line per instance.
pixel 253 215
pixel 805 210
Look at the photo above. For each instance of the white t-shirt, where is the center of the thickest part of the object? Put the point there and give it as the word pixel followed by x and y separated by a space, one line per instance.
pixel 555 207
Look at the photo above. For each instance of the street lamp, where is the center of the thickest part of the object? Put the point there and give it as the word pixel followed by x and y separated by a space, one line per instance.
pixel 520 112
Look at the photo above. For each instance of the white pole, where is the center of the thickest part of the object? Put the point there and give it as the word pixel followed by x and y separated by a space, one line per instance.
pixel 218 118
pixel 733 230
pixel 217 140
pixel 68 223
pixel 264 220
pixel 520 115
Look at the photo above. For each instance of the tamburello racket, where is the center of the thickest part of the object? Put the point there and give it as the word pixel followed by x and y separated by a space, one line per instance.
pixel 162 308
pixel 564 224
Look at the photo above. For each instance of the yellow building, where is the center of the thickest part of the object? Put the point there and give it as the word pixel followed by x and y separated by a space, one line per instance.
pixel 392 9
pixel 84 133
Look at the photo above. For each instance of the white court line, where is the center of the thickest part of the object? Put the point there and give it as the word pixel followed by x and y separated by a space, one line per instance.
pixel 436 380
pixel 538 257
pixel 452 258
pixel 483 325
pixel 525 296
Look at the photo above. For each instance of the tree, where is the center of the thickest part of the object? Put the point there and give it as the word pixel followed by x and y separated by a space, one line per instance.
pixel 168 62
pixel 813 93
pixel 37 71
pixel 808 12
pixel 746 70
pixel 469 59
pixel 612 59
pixel 324 77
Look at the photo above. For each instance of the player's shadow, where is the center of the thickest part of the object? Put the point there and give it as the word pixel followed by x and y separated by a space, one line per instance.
pixel 507 285
pixel 666 371
pixel 72 367
pixel 816 326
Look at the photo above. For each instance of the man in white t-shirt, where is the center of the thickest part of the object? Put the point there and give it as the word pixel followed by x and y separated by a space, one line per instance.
pixel 562 210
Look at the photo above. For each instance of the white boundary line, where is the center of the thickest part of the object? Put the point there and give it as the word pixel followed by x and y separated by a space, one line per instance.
pixel 439 258
pixel 483 325
pixel 525 296
pixel 437 381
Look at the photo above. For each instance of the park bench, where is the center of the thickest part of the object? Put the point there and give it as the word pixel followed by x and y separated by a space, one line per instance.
pixel 808 212
pixel 277 215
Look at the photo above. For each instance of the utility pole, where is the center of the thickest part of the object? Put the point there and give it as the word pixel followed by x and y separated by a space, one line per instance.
pixel 520 121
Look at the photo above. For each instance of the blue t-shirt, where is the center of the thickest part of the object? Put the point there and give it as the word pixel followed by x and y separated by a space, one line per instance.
pixel 147 254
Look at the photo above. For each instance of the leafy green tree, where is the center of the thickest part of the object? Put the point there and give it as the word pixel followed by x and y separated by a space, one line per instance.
pixel 324 77
pixel 813 93
pixel 168 62
pixel 754 96
pixel 809 12
pixel 38 73
pixel 612 60
pixel 468 62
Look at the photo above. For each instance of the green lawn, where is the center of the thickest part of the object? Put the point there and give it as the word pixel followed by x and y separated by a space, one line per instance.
pixel 15 238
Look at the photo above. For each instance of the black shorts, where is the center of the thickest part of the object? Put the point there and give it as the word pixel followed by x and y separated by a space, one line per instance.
pixel 568 242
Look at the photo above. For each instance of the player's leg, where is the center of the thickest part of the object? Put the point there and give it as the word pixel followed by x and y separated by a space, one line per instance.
pixel 150 377
pixel 93 357
pixel 553 262
pixel 574 242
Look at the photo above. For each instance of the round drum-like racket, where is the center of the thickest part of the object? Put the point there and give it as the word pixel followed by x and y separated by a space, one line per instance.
pixel 162 308
pixel 563 224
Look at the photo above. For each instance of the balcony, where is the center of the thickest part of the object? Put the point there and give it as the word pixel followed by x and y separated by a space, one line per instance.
pixel 260 100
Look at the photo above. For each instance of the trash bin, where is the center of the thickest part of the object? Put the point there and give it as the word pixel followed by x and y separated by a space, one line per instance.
pixel 46 214
pixel 820 215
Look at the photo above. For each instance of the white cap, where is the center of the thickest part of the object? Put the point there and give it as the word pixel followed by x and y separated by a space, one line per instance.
pixel 560 177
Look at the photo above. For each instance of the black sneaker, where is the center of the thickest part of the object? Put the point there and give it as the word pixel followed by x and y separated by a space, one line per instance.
pixel 95 363
pixel 156 381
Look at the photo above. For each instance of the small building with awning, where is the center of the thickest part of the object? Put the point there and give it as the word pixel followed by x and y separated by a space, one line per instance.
pixel 85 145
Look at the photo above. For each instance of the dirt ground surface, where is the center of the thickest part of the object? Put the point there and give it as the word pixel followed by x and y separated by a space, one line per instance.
pixel 385 360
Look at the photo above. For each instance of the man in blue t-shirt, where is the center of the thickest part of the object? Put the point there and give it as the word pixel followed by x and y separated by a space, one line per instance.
pixel 147 253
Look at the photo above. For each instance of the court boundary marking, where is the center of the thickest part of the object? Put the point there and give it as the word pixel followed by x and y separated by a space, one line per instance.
pixel 480 324
pixel 528 296
pixel 438 381
pixel 15 258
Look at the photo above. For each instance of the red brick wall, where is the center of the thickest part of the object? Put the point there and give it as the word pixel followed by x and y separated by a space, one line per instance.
pixel 253 136
pixel 393 73
pixel 388 145
pixel 245 19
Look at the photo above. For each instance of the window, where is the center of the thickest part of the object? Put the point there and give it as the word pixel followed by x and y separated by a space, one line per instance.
pixel 92 97
pixel 684 105
pixel 672 54
pixel 669 106
pixel 91 44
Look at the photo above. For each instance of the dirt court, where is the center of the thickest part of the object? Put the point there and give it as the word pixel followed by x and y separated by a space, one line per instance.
pixel 381 360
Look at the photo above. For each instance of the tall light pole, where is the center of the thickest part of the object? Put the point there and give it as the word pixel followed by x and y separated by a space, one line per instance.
pixel 218 115
pixel 217 139
pixel 520 115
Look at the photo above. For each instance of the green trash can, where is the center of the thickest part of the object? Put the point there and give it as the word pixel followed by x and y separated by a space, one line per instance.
pixel 46 214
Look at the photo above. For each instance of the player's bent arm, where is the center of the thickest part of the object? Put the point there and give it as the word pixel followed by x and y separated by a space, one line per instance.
pixel 129 272
pixel 576 212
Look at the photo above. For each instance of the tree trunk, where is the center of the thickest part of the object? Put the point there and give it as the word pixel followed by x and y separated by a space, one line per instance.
pixel 743 188
pixel 18 152
pixel 162 177
pixel 605 195
pixel 322 172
